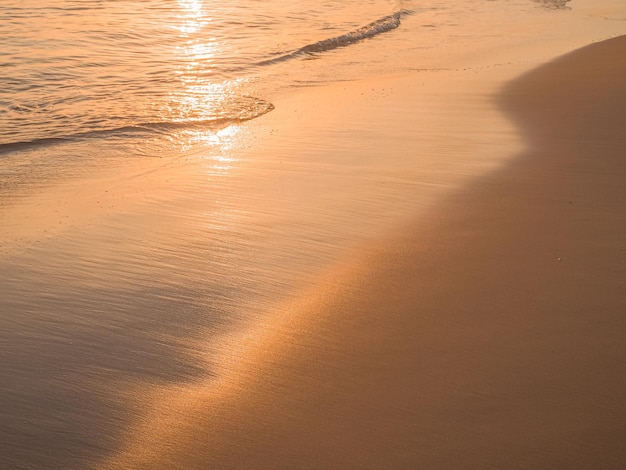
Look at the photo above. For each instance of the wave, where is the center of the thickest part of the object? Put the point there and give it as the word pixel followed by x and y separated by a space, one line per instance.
pixel 554 4
pixel 382 25
pixel 256 109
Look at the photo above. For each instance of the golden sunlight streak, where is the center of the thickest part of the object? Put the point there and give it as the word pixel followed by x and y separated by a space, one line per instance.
pixel 193 16
pixel 199 99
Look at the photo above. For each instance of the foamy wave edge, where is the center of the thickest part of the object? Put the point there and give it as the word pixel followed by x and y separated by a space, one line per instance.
pixel 382 25
pixel 255 107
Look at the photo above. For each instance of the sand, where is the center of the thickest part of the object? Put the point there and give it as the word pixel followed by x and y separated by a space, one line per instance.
pixel 486 333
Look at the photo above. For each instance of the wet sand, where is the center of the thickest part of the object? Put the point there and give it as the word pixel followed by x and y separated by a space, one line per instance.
pixel 487 333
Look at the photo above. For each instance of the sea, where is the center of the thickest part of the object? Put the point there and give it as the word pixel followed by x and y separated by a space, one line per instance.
pixel 98 97
pixel 127 71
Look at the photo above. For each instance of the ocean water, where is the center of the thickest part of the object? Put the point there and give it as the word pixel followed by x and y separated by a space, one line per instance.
pixel 108 288
pixel 76 70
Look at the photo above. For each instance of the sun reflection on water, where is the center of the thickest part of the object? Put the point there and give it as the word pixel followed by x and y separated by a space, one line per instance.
pixel 227 138
pixel 199 98
pixel 193 16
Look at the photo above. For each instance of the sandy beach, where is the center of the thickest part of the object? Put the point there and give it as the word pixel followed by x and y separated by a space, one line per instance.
pixel 486 333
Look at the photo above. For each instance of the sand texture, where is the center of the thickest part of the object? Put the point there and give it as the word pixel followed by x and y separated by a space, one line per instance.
pixel 490 333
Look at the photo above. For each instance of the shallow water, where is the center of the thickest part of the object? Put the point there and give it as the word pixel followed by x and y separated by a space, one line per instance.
pixel 75 69
pixel 137 228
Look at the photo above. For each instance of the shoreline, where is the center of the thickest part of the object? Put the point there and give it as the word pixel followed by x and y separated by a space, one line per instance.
pixel 488 333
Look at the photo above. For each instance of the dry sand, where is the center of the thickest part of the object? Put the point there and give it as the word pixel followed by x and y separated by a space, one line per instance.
pixel 490 333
